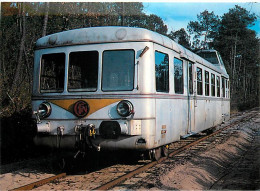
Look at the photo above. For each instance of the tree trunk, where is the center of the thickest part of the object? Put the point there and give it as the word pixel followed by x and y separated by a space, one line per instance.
pixel 123 14
pixel 234 59
pixel 245 83
pixel 46 16
pixel 17 75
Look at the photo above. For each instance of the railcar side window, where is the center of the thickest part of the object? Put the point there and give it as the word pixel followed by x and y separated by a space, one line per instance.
pixel 213 85
pixel 228 89
pixel 199 81
pixel 162 72
pixel 52 72
pixel 118 70
pixel 178 76
pixel 83 71
pixel 206 83
pixel 190 78
pixel 218 86
pixel 223 87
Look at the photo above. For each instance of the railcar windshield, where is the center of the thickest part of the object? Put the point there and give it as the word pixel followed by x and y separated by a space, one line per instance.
pixel 220 59
pixel 118 70
pixel 209 56
pixel 83 71
pixel 52 72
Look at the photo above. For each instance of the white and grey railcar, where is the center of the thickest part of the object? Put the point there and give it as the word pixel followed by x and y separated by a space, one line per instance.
pixel 124 88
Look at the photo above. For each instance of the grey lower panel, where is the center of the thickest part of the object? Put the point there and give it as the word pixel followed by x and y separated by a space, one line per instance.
pixel 68 142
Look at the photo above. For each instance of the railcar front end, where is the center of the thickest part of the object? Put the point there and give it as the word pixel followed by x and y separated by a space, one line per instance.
pixel 92 96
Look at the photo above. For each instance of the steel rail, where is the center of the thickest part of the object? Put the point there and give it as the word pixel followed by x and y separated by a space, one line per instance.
pixel 40 182
pixel 122 178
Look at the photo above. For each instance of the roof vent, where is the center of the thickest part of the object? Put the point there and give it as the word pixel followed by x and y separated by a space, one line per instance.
pixel 121 34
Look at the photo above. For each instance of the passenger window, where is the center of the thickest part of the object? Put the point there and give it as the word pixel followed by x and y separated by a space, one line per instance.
pixel 178 76
pixel 213 85
pixel 218 86
pixel 162 72
pixel 226 88
pixel 52 72
pixel 223 87
pixel 118 70
pixel 199 81
pixel 190 78
pixel 83 71
pixel 206 83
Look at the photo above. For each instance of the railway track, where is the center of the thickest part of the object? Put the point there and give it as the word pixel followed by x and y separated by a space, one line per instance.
pixel 40 182
pixel 194 143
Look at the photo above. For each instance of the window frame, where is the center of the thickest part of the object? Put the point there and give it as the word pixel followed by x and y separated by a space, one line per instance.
pixel 41 70
pixel 201 81
pixel 218 93
pixel 78 90
pixel 226 87
pixel 167 90
pixel 223 87
pixel 206 83
pixel 213 85
pixel 182 67
pixel 102 76
pixel 228 94
pixel 190 81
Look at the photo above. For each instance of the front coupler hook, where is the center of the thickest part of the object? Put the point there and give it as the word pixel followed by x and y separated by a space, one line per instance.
pixel 84 138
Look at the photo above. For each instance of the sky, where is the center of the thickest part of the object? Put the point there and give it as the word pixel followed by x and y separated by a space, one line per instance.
pixel 177 15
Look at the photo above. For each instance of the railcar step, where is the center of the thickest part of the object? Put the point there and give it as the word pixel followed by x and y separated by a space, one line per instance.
pixel 187 135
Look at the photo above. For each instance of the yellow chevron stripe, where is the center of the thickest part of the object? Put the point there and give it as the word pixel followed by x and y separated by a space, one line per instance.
pixel 94 104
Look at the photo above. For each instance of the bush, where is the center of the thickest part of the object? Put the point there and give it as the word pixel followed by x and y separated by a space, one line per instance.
pixel 17 132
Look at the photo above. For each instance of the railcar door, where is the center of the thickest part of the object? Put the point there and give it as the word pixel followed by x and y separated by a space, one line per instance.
pixel 224 95
pixel 191 98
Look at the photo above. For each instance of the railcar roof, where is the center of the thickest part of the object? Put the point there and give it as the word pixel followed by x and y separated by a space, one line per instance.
pixel 110 34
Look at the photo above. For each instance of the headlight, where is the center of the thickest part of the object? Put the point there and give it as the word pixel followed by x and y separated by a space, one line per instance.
pixel 125 108
pixel 44 110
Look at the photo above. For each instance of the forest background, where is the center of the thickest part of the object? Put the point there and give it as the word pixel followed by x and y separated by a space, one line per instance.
pixel 23 23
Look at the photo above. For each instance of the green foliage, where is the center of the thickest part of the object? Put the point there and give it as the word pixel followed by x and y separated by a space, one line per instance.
pixel 17 132
pixel 239 48
pixel 206 26
pixel 181 37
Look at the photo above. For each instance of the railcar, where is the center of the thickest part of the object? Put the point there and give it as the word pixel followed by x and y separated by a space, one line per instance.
pixel 113 88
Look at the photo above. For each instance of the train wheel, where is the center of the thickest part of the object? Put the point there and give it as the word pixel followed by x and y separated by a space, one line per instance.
pixel 156 154
pixel 165 151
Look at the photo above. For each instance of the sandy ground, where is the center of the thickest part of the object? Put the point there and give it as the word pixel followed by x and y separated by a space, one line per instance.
pixel 232 162
pixel 19 174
